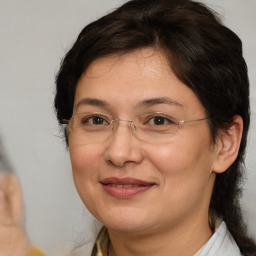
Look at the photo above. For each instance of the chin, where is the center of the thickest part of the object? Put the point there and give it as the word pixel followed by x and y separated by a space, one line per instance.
pixel 125 220
pixel 126 227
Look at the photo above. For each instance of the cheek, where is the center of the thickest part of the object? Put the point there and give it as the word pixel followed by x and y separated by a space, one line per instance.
pixel 84 158
pixel 85 161
pixel 185 163
pixel 185 173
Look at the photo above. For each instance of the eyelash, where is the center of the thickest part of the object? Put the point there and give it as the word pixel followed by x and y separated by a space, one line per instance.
pixel 86 120
pixel 164 118
pixel 155 119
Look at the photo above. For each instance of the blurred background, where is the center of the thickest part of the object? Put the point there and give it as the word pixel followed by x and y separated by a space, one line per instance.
pixel 34 36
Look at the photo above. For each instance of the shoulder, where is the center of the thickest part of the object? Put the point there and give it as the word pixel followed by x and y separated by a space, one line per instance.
pixel 221 243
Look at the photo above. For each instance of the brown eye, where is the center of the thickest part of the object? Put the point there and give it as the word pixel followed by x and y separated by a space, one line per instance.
pixel 94 120
pixel 97 120
pixel 160 120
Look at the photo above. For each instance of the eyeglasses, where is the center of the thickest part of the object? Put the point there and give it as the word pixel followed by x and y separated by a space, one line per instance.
pixel 90 127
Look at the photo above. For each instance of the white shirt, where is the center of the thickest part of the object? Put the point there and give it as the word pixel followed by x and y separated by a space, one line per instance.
pixel 221 243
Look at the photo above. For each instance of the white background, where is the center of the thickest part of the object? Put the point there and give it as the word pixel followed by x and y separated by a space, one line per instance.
pixel 34 35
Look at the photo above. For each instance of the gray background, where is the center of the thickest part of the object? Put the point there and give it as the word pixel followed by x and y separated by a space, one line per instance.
pixel 34 35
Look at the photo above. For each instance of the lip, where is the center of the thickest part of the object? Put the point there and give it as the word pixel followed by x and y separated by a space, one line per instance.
pixel 125 187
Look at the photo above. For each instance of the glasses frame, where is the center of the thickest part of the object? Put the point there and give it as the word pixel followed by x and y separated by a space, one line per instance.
pixel 133 127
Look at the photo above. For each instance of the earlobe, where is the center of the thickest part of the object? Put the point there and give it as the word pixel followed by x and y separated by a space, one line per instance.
pixel 228 144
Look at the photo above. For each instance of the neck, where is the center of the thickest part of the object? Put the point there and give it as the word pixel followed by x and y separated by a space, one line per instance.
pixel 183 240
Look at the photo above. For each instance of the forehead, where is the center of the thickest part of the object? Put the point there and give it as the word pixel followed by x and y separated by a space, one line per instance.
pixel 132 78
pixel 147 61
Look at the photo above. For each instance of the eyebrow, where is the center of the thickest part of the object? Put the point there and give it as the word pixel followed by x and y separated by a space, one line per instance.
pixel 144 103
pixel 157 101
pixel 91 102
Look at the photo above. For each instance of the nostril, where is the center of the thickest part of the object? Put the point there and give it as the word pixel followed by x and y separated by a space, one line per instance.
pixel 115 162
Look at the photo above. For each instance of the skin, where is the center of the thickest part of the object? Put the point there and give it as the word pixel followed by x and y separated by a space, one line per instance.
pixel 171 218
pixel 13 239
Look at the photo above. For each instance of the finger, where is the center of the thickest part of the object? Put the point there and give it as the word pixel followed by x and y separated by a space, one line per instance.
pixel 10 200
pixel 14 199
pixel 5 210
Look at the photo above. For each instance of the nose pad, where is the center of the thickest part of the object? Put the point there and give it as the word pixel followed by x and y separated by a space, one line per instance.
pixel 133 127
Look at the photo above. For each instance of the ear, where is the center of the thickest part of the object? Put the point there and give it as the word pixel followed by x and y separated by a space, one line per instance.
pixel 227 145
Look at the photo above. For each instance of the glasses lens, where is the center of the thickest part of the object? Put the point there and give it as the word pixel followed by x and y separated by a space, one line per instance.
pixel 97 127
pixel 90 127
pixel 156 126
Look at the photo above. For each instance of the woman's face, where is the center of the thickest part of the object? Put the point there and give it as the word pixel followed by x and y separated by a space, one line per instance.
pixel 134 185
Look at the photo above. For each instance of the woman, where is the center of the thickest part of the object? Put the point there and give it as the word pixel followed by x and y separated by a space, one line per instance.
pixel 155 96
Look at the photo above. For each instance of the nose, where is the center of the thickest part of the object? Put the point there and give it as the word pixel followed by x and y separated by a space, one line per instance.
pixel 123 147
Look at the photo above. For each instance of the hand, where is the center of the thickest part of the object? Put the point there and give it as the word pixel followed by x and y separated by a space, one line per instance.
pixel 13 239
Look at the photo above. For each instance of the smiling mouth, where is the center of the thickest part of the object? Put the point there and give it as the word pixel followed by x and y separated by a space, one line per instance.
pixel 122 186
pixel 126 187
